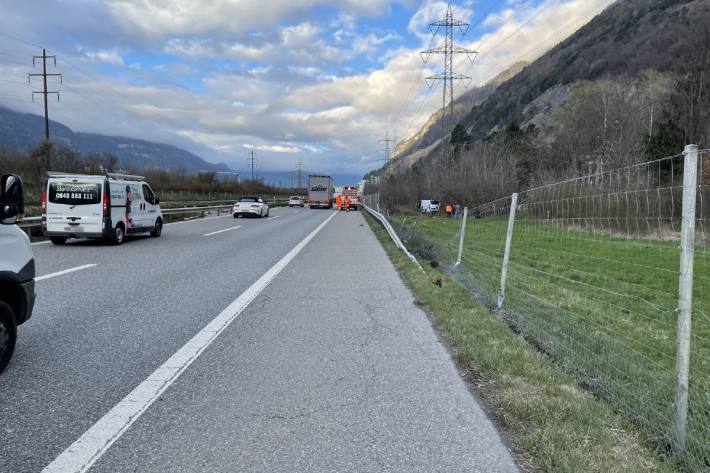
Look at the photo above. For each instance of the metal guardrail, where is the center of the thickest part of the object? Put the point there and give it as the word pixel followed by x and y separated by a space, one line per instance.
pixel 31 222
pixel 393 235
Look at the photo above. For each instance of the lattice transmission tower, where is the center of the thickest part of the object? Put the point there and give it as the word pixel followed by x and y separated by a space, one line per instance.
pixel 448 76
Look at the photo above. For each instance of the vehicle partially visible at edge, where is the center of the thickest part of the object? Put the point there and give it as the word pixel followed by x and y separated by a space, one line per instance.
pixel 17 267
pixel 252 206
pixel 109 206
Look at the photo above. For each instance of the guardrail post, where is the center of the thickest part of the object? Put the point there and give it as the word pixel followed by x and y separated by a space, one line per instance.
pixel 462 237
pixel 506 254
pixel 685 296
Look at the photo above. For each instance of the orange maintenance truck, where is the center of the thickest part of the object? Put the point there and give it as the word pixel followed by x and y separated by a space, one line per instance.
pixel 354 196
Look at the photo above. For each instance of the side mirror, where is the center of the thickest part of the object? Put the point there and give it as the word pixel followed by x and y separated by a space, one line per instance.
pixel 157 200
pixel 12 203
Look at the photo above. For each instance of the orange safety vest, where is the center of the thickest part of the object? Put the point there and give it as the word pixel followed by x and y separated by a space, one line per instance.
pixel 449 209
pixel 337 201
pixel 347 202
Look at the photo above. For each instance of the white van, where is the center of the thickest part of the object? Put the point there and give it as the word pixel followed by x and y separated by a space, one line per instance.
pixel 429 206
pixel 109 207
pixel 17 267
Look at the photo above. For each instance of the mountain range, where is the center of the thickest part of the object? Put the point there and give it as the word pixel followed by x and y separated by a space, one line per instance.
pixel 626 38
pixel 20 131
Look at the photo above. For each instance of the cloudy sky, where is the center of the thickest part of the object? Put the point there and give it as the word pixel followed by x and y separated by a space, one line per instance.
pixel 317 80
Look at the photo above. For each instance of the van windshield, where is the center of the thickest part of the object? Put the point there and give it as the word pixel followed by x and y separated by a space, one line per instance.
pixel 74 193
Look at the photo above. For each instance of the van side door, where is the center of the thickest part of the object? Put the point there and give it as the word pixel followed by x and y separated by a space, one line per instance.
pixel 150 206
pixel 136 216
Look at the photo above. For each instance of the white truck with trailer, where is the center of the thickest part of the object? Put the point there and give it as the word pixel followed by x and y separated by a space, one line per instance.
pixel 110 206
pixel 321 191
pixel 17 267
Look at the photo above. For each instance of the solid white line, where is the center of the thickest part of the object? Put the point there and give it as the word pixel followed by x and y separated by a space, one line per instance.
pixel 88 448
pixel 40 243
pixel 59 273
pixel 198 219
pixel 225 230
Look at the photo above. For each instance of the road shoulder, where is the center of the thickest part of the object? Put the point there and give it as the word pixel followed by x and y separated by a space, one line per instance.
pixel 332 368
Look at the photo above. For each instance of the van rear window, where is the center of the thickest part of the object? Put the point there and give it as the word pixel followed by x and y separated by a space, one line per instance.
pixel 74 193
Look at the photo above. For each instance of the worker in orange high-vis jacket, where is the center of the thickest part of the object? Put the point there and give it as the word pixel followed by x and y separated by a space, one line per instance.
pixel 449 210
pixel 338 200
pixel 347 203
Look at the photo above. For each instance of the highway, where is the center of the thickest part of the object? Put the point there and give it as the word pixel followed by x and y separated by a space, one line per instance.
pixel 279 344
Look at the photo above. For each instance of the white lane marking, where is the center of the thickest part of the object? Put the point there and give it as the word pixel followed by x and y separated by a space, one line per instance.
pixel 221 231
pixel 40 243
pixel 66 271
pixel 271 218
pixel 197 219
pixel 297 211
pixel 88 448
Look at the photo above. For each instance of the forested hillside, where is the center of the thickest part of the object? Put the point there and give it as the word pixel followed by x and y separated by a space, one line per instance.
pixel 631 85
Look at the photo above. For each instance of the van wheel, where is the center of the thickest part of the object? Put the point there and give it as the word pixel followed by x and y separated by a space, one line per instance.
pixel 8 335
pixel 118 234
pixel 157 229
pixel 57 240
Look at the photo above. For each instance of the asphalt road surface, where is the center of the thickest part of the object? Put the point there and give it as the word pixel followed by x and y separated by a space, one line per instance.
pixel 282 344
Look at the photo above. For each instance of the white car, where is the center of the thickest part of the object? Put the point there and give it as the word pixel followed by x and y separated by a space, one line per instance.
pixel 295 201
pixel 253 206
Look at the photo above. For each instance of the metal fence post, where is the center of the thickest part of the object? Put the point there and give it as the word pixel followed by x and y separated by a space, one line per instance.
pixel 506 254
pixel 685 295
pixel 462 237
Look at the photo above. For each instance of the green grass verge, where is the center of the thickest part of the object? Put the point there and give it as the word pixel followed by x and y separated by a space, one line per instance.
pixel 552 423
pixel 603 306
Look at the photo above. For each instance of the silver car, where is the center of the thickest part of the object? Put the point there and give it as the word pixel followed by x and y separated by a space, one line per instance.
pixel 295 201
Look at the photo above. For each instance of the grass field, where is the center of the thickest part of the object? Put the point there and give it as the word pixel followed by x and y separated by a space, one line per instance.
pixel 603 307
pixel 551 423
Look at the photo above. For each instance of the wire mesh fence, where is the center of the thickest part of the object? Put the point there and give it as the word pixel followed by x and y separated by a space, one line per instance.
pixel 593 281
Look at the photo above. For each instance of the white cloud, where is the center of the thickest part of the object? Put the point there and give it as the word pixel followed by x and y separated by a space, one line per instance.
pixel 273 148
pixel 300 44
pixel 109 57
pixel 285 90
pixel 187 17
pixel 432 11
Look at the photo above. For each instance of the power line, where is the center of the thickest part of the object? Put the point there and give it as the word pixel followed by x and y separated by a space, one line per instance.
pixel 525 23
pixel 448 49
pixel 299 170
pixel 13 81
pixel 29 43
pixel 555 36
pixel 15 97
pixel 508 17
pixel 407 100
pixel 45 92
pixel 251 164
